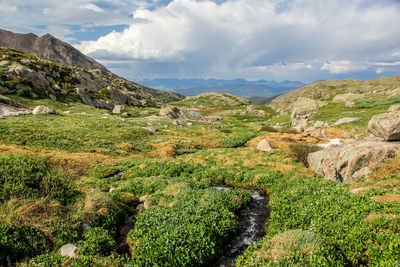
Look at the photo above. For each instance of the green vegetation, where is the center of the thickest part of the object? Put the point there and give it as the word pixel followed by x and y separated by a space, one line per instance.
pixel 61 174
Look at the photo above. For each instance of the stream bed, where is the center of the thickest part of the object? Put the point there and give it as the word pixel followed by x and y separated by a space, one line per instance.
pixel 251 228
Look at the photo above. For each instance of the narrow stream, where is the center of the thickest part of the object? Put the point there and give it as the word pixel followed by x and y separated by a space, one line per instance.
pixel 251 228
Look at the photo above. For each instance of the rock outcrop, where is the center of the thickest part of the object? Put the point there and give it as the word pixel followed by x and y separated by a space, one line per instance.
pixel 349 161
pixel 302 110
pixel 346 97
pixel 50 47
pixel 180 113
pixel 386 126
pixel 31 76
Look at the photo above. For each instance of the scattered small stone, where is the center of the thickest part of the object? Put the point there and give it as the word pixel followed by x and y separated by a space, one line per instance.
pixel 125 114
pixel 319 124
pixel 53 97
pixel 68 250
pixel 86 227
pixel 83 113
pixel 177 122
pixel 151 129
pixel 67 112
pixel 189 123
pixel 350 104
pixel 144 113
pixel 43 110
pixel 266 146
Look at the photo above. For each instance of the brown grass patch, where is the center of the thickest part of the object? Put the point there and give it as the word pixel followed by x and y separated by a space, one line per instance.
pixel 373 216
pixel 387 198
pixel 281 141
pixel 75 164
pixel 38 213
pixel 392 167
pixel 127 147
pixel 332 133
pixel 163 150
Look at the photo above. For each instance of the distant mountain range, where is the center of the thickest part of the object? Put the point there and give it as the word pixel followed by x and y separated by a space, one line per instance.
pixel 238 87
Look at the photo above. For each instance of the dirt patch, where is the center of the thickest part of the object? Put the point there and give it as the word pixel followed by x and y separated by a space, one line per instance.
pixel 387 198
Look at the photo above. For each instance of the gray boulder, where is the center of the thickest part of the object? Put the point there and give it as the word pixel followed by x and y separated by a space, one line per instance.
pixel 349 161
pixel 386 126
pixel 43 110
pixel 302 110
pixel 6 110
pixel 151 129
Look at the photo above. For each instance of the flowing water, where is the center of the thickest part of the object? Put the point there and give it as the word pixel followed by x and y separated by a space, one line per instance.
pixel 251 228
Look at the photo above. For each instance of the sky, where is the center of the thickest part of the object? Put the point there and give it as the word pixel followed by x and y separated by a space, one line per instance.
pixel 302 40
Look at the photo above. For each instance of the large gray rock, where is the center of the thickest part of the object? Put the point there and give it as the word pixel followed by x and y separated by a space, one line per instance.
pixel 43 110
pixel 6 110
pixel 349 161
pixel 68 250
pixel 346 97
pixel 302 110
pixel 386 126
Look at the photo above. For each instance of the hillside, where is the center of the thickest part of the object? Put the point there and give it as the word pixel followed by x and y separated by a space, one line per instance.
pixel 239 87
pixel 213 100
pixel 32 76
pixel 325 90
pixel 49 47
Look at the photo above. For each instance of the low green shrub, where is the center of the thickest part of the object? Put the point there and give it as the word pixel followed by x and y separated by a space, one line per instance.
pixel 238 140
pixel 300 151
pixel 25 176
pixel 19 242
pixel 97 241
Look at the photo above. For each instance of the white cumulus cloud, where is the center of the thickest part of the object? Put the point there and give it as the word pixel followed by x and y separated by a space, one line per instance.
pixel 208 39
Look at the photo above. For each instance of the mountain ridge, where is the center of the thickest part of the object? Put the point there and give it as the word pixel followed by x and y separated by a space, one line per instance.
pixel 238 87
pixel 49 46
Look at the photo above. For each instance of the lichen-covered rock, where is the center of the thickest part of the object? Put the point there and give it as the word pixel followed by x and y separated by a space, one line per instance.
pixel 118 109
pixel 349 161
pixel 302 110
pixel 386 126
pixel 346 97
pixel 43 110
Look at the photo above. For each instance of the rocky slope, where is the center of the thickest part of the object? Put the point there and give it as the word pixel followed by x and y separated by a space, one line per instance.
pixel 49 47
pixel 326 90
pixel 32 76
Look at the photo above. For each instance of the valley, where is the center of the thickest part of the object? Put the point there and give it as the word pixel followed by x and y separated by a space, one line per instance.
pixel 149 178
